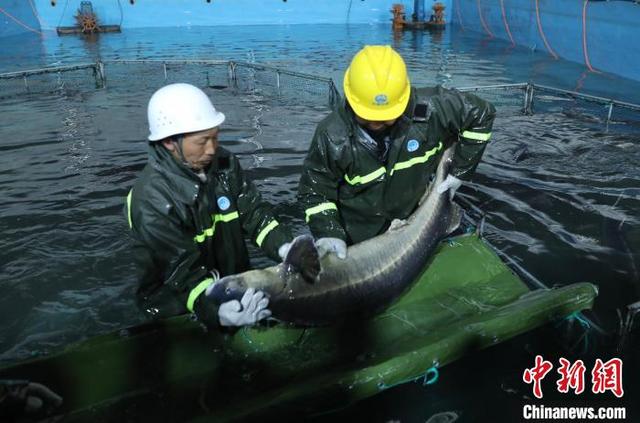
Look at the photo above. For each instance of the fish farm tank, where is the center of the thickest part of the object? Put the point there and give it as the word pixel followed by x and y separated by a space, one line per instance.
pixel 539 285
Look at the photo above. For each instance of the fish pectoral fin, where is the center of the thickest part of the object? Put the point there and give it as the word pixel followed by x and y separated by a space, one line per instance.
pixel 303 258
pixel 456 217
pixel 397 224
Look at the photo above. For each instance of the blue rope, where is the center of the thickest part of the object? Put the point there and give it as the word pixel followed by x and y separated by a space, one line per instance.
pixel 577 316
pixel 433 371
pixel 429 377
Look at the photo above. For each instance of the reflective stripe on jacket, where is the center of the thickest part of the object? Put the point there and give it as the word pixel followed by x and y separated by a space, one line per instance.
pixel 183 228
pixel 348 193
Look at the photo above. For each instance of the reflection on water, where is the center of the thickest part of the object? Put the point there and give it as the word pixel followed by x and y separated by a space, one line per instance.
pixel 561 190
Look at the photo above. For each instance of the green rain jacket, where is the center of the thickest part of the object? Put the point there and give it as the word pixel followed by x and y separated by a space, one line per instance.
pixel 349 192
pixel 184 228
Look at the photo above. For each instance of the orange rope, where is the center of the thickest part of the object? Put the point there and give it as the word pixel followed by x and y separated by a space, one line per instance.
pixel 484 24
pixel 506 24
pixel 580 82
pixel 19 22
pixel 584 37
pixel 553 53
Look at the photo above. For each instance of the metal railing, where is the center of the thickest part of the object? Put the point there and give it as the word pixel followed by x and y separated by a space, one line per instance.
pixel 520 98
pixel 228 74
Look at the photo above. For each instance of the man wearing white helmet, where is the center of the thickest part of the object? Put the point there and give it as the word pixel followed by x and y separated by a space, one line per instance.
pixel 189 212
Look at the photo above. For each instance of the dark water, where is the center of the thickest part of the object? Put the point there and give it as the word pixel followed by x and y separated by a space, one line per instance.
pixel 560 189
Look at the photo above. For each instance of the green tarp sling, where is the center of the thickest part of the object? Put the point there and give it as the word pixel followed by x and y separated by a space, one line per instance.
pixel 466 299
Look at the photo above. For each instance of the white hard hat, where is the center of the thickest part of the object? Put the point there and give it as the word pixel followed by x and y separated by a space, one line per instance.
pixel 179 109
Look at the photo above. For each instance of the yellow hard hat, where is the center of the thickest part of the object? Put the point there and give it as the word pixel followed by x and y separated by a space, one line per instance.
pixel 376 83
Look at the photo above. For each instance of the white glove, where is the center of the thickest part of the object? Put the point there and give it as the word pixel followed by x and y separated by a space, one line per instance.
pixel 451 184
pixel 249 310
pixel 284 250
pixel 332 245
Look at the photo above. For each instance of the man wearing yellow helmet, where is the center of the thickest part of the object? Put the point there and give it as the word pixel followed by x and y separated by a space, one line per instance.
pixel 371 159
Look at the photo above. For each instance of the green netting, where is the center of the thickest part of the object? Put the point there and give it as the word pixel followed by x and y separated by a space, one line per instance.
pixel 465 300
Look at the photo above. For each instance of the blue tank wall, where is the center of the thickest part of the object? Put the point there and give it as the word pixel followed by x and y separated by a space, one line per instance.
pixel 611 39
pixel 611 27
pixel 24 11
pixel 177 13
pixel 42 15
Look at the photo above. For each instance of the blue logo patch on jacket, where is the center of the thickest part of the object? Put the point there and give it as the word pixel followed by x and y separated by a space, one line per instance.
pixel 412 145
pixel 223 203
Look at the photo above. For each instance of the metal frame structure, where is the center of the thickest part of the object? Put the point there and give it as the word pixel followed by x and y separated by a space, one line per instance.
pixel 529 90
pixel 233 67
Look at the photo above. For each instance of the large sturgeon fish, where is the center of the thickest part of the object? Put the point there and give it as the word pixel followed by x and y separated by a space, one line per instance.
pixel 310 291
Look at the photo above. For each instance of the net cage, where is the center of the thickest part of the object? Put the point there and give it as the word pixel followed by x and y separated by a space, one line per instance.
pixel 294 87
pixel 529 99
pixel 526 101
pixel 247 78
pixel 80 77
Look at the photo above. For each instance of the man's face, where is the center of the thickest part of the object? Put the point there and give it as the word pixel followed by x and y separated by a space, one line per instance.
pixel 375 125
pixel 198 148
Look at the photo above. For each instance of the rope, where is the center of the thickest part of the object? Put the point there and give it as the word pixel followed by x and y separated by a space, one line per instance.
pixel 429 377
pixel 506 24
pixel 64 10
pixel 586 325
pixel 549 49
pixel 580 81
pixel 584 37
pixel 578 316
pixel 121 14
pixel 35 12
pixel 19 22
pixel 457 6
pixel 484 24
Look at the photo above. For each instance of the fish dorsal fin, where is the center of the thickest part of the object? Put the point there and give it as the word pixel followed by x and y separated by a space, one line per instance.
pixel 303 258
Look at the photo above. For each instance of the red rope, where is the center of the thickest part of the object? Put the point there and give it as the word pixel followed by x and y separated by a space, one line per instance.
pixel 506 24
pixel 584 37
pixel 484 24
pixel 553 53
pixel 19 22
